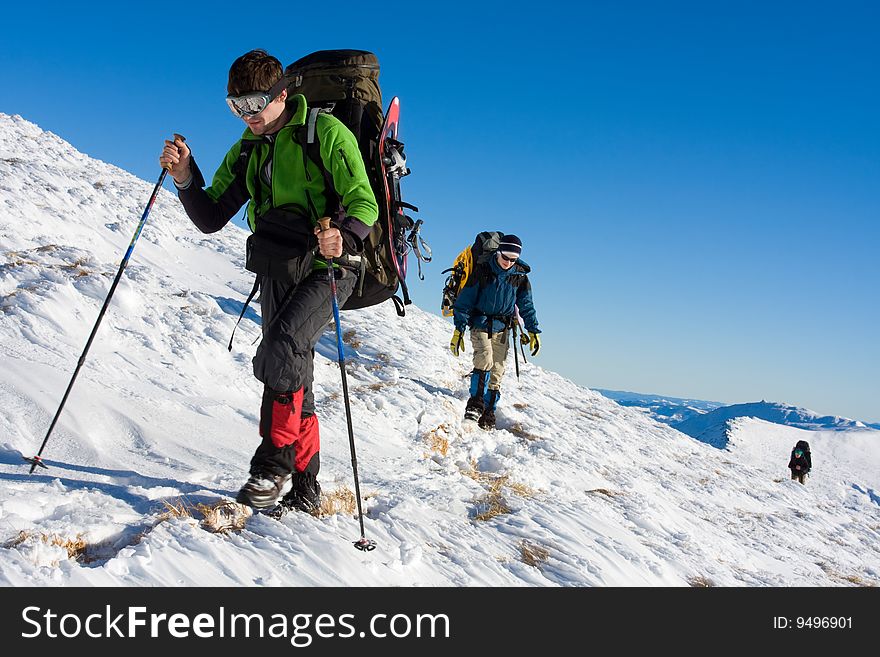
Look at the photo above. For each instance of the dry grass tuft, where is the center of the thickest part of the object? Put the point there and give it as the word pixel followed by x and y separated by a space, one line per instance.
pixel 348 337
pixel 18 540
pixel 603 491
pixel 383 358
pixel 178 508
pixel 341 500
pixel 533 554
pixel 224 516
pixel 78 267
pixel 439 444
pixel 855 580
pixel 521 489
pixel 220 517
pixel 76 547
pixel 700 582
pixel 520 406
pixel 496 483
pixel 517 430
pixel 492 504
pixel 16 259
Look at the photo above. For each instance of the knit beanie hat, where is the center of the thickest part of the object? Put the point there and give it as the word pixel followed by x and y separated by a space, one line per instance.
pixel 510 245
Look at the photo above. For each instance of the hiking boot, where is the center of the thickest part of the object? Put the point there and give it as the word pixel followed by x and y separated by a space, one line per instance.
pixel 261 490
pixel 487 419
pixel 304 494
pixel 474 408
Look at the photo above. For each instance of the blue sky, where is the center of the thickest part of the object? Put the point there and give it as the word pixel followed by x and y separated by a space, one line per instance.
pixel 697 185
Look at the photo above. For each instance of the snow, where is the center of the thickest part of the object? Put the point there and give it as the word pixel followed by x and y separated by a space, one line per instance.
pixel 587 492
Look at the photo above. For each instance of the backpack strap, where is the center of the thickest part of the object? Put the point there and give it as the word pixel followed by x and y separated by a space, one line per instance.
pixel 247 147
pixel 241 166
pixel 310 144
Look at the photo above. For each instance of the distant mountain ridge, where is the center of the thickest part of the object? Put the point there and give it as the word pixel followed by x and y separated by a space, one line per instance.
pixel 714 427
pixel 712 422
pixel 665 409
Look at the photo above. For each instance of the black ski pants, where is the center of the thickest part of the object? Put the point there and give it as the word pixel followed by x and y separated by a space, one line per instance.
pixel 294 317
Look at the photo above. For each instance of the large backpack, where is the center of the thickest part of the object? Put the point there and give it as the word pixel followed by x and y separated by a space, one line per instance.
pixel 803 446
pixel 345 83
pixel 485 244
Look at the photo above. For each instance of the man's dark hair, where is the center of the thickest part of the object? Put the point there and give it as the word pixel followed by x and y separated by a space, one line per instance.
pixel 256 70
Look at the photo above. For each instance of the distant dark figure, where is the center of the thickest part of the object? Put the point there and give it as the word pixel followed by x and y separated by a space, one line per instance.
pixel 800 463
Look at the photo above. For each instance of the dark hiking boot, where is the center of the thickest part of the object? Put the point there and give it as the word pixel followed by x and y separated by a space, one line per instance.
pixel 487 419
pixel 474 408
pixel 475 404
pixel 261 490
pixel 304 494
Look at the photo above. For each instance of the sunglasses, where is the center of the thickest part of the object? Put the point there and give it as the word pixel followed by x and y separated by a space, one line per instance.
pixel 506 259
pixel 251 104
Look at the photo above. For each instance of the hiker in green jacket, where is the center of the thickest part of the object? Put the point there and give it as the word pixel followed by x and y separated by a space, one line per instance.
pixel 285 191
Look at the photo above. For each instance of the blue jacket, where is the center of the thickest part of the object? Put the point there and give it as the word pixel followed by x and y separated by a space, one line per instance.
pixel 492 291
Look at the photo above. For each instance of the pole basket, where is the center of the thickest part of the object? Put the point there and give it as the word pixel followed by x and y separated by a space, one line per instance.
pixel 365 545
pixel 36 461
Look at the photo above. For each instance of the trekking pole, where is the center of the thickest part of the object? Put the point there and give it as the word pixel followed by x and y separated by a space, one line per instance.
pixel 364 544
pixel 521 346
pixel 513 327
pixel 37 460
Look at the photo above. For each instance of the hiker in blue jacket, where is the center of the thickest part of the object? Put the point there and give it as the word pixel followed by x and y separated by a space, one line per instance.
pixel 487 305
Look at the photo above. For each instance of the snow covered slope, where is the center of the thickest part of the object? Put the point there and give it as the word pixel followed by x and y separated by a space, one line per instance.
pixel 571 490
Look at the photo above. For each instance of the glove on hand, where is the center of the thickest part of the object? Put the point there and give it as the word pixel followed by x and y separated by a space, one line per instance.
pixel 533 341
pixel 456 345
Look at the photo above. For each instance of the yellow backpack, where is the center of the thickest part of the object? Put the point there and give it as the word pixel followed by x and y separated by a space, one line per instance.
pixel 485 244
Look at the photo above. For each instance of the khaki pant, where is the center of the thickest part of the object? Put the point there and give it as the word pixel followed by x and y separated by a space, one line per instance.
pixel 490 355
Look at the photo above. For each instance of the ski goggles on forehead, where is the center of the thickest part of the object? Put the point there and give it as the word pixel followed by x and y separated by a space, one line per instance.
pixel 251 104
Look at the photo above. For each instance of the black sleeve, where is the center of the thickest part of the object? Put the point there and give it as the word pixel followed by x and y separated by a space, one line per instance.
pixel 209 215
pixel 354 232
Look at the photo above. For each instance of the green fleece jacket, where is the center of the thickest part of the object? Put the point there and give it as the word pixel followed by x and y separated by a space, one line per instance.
pixel 211 208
